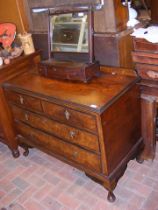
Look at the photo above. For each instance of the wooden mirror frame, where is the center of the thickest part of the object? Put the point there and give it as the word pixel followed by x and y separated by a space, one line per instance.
pixel 73 56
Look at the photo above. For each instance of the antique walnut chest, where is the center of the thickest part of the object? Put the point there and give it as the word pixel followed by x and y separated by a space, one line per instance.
pixel 94 127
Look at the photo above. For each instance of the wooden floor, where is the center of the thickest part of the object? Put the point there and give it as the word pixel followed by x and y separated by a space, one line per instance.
pixel 41 182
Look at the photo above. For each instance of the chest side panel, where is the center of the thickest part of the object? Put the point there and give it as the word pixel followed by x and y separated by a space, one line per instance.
pixel 121 124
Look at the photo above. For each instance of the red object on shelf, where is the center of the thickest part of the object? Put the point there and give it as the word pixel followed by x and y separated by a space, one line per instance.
pixel 7 34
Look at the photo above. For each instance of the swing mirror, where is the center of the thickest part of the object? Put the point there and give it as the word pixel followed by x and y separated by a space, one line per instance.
pixel 69 32
pixel 70 36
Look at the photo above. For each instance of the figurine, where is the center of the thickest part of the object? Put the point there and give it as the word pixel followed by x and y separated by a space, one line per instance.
pixel 9 48
pixel 7 34
pixel 6 61
pixel 15 50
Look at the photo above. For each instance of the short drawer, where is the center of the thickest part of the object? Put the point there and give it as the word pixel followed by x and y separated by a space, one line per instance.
pixel 70 116
pixel 24 100
pixel 56 146
pixel 68 133
pixel 147 71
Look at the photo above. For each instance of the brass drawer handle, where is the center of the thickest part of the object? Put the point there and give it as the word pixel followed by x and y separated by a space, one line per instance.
pixel 67 115
pixel 75 154
pixel 21 100
pixel 26 117
pixel 72 134
pixel 54 69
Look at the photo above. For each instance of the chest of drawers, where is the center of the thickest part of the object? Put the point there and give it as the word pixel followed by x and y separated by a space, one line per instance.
pixel 94 127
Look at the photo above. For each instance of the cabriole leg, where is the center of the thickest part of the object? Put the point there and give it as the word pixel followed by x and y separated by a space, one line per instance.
pixel 26 149
pixel 15 153
pixel 111 197
pixel 139 159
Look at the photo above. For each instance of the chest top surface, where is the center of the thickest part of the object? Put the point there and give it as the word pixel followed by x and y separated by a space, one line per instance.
pixel 94 96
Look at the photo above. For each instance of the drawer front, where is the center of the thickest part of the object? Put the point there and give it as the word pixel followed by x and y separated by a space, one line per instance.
pixel 68 133
pixel 146 58
pixel 145 46
pixel 60 72
pixel 67 151
pixel 147 71
pixel 24 100
pixel 70 117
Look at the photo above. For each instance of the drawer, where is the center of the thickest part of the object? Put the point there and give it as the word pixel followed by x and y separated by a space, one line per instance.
pixel 146 58
pixel 60 72
pixel 144 45
pixel 24 100
pixel 70 117
pixel 73 135
pixel 147 71
pixel 68 70
pixel 54 145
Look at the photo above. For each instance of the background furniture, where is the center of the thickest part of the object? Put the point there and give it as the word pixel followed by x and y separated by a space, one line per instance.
pixel 112 41
pixel 146 58
pixel 113 44
pixel 16 67
pixel 154 13
pixel 100 121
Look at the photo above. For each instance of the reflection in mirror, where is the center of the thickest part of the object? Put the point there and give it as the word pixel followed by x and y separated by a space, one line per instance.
pixel 69 32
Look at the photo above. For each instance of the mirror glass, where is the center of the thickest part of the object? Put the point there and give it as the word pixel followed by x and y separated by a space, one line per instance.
pixel 69 32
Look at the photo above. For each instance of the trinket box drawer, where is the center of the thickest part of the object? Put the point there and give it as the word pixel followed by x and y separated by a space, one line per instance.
pixel 70 134
pixel 24 100
pixel 71 117
pixel 59 72
pixel 60 148
pixel 75 71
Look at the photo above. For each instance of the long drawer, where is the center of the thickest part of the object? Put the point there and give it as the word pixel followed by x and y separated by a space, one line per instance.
pixel 26 101
pixel 73 135
pixel 54 145
pixel 70 116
